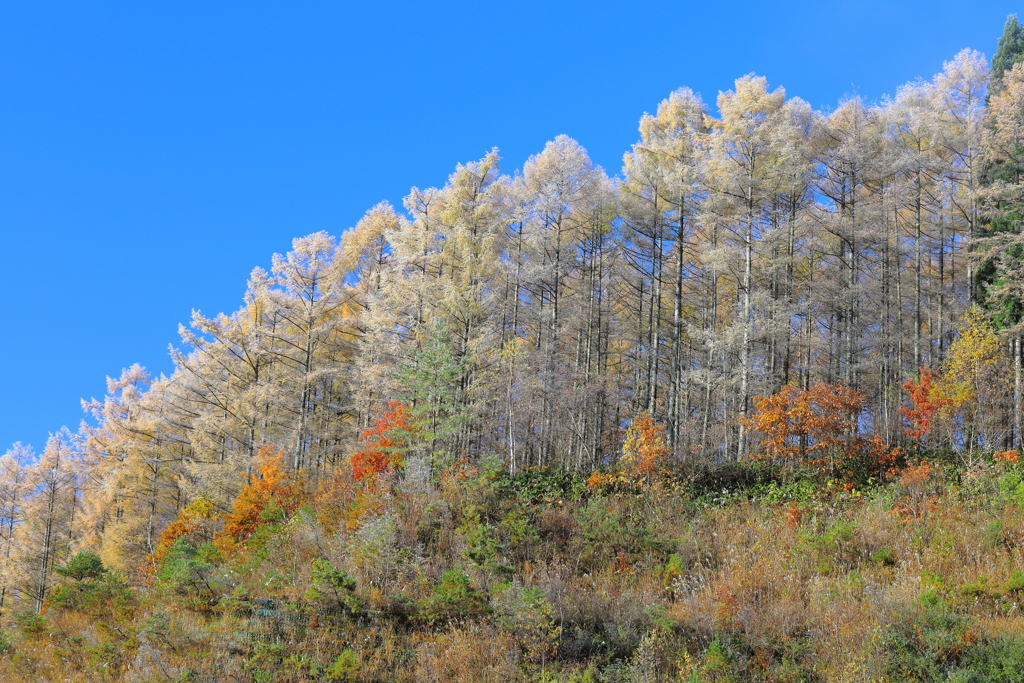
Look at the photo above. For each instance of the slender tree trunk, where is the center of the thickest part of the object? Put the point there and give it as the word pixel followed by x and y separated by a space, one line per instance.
pixel 918 274
pixel 940 313
pixel 1017 391
pixel 675 414
pixel 748 259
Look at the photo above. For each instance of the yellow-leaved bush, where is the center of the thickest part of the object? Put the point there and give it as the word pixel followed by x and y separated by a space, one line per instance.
pixel 643 460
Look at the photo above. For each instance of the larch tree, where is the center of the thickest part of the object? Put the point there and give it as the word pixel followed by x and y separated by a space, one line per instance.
pixel 661 201
pixel 14 466
pixel 223 398
pixel 470 213
pixel 237 353
pixel 312 338
pixel 958 99
pixel 52 518
pixel 364 254
pixel 765 246
pixel 748 167
pixel 915 132
pixel 565 198
pixel 133 468
pixel 848 155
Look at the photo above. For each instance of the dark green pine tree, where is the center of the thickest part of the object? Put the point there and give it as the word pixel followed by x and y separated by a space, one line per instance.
pixel 1009 52
pixel 432 384
pixel 997 245
pixel 1000 168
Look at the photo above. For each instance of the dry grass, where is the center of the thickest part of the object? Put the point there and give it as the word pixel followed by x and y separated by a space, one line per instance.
pixel 646 588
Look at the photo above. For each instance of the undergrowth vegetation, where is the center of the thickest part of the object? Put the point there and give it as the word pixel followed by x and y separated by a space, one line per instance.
pixel 739 572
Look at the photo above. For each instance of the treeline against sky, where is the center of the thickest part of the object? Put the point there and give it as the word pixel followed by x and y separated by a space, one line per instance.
pixel 527 319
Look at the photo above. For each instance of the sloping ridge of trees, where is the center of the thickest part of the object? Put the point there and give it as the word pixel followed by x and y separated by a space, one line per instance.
pixel 718 418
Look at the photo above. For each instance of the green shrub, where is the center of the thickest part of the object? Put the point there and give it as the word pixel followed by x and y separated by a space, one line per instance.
pixel 106 655
pixel 84 565
pixel 545 485
pixel 674 569
pixel 1010 486
pixel 937 645
pixel 336 583
pixel 718 661
pixel 927 647
pixel 30 623
pixel 346 667
pixel 1015 583
pixel 454 598
pixel 999 660
pixel 884 557
pixel 187 573
pixel 831 547
pixel 108 595
pixel 775 493
pixel 619 527
pixel 483 548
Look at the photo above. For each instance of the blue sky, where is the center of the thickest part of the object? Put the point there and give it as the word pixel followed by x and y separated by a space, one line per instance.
pixel 152 154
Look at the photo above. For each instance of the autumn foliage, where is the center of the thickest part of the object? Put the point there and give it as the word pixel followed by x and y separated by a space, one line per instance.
pixel 194 519
pixel 926 402
pixel 644 450
pixel 523 321
pixel 269 495
pixel 918 497
pixel 1011 456
pixel 643 457
pixel 380 452
pixel 964 404
pixel 804 425
pixel 818 426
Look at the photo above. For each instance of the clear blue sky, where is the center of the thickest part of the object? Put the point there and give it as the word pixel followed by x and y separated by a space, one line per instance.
pixel 151 154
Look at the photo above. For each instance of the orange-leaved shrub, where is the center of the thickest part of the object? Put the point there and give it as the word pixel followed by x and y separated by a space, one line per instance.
pixel 926 402
pixel 1006 457
pixel 269 496
pixel 919 497
pixel 819 427
pixel 381 445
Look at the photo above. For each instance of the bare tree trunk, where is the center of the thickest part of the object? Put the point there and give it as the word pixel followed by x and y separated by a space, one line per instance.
pixel 748 258
pixel 918 267
pixel 1016 391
